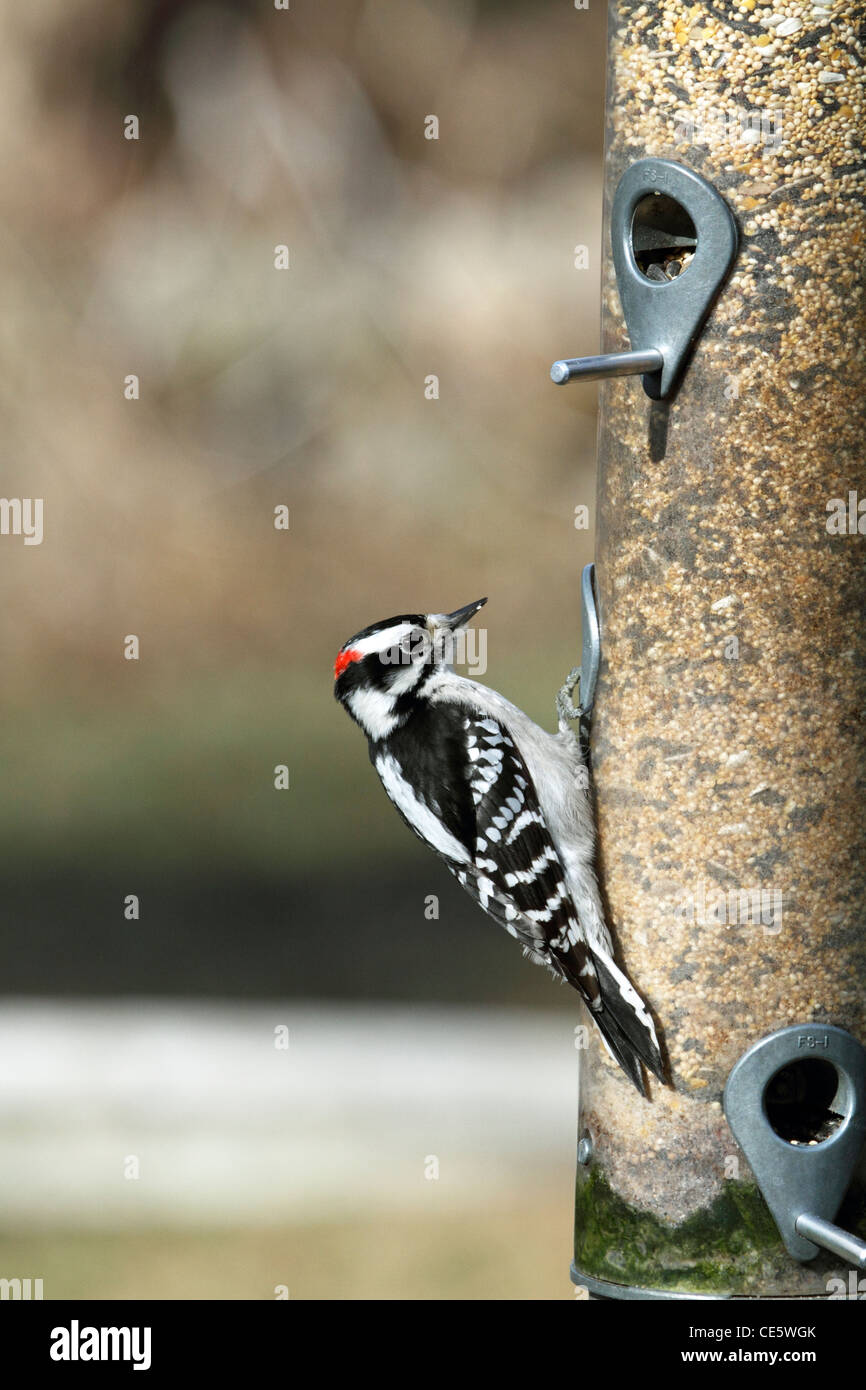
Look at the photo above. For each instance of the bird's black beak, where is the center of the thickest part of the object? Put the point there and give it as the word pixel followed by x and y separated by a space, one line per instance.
pixel 461 616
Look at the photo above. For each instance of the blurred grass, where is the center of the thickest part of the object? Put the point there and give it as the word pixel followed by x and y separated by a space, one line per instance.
pixel 518 1251
pixel 186 776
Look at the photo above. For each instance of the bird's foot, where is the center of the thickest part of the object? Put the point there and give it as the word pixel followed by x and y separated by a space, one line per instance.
pixel 564 708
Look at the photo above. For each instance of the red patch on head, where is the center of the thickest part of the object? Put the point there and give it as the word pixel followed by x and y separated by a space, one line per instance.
pixel 345 659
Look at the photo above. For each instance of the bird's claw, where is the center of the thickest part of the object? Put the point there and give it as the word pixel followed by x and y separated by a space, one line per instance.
pixel 564 708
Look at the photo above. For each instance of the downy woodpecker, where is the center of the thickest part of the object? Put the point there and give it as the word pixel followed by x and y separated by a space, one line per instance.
pixel 503 802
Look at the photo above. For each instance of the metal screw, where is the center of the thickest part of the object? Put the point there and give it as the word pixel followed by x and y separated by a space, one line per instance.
pixel 584 1150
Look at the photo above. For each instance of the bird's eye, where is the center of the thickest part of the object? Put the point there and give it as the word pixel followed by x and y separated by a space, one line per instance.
pixel 409 649
pixel 418 643
pixel 401 653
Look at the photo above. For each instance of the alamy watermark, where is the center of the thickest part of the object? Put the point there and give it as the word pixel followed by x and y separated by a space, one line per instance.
pixel 847 516
pixel 738 907
pixel 736 126
pixel 77 1343
pixel 855 1287
pixel 466 647
pixel 21 1289
pixel 22 516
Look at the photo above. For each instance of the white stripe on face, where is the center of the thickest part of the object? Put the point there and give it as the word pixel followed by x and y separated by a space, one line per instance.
pixel 382 641
pixel 374 711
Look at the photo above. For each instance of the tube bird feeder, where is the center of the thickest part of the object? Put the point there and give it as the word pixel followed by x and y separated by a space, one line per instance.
pixel 728 734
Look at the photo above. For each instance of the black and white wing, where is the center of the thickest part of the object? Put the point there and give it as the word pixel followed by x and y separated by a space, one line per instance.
pixel 464 788
pixel 516 873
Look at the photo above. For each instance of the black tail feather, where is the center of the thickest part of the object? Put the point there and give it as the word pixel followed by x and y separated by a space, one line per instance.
pixel 624 1020
pixel 630 1033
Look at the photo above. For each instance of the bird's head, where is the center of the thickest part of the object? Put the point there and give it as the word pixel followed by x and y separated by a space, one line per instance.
pixel 381 671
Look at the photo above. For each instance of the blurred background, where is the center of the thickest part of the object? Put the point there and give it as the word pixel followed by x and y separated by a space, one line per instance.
pixel 286 1070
